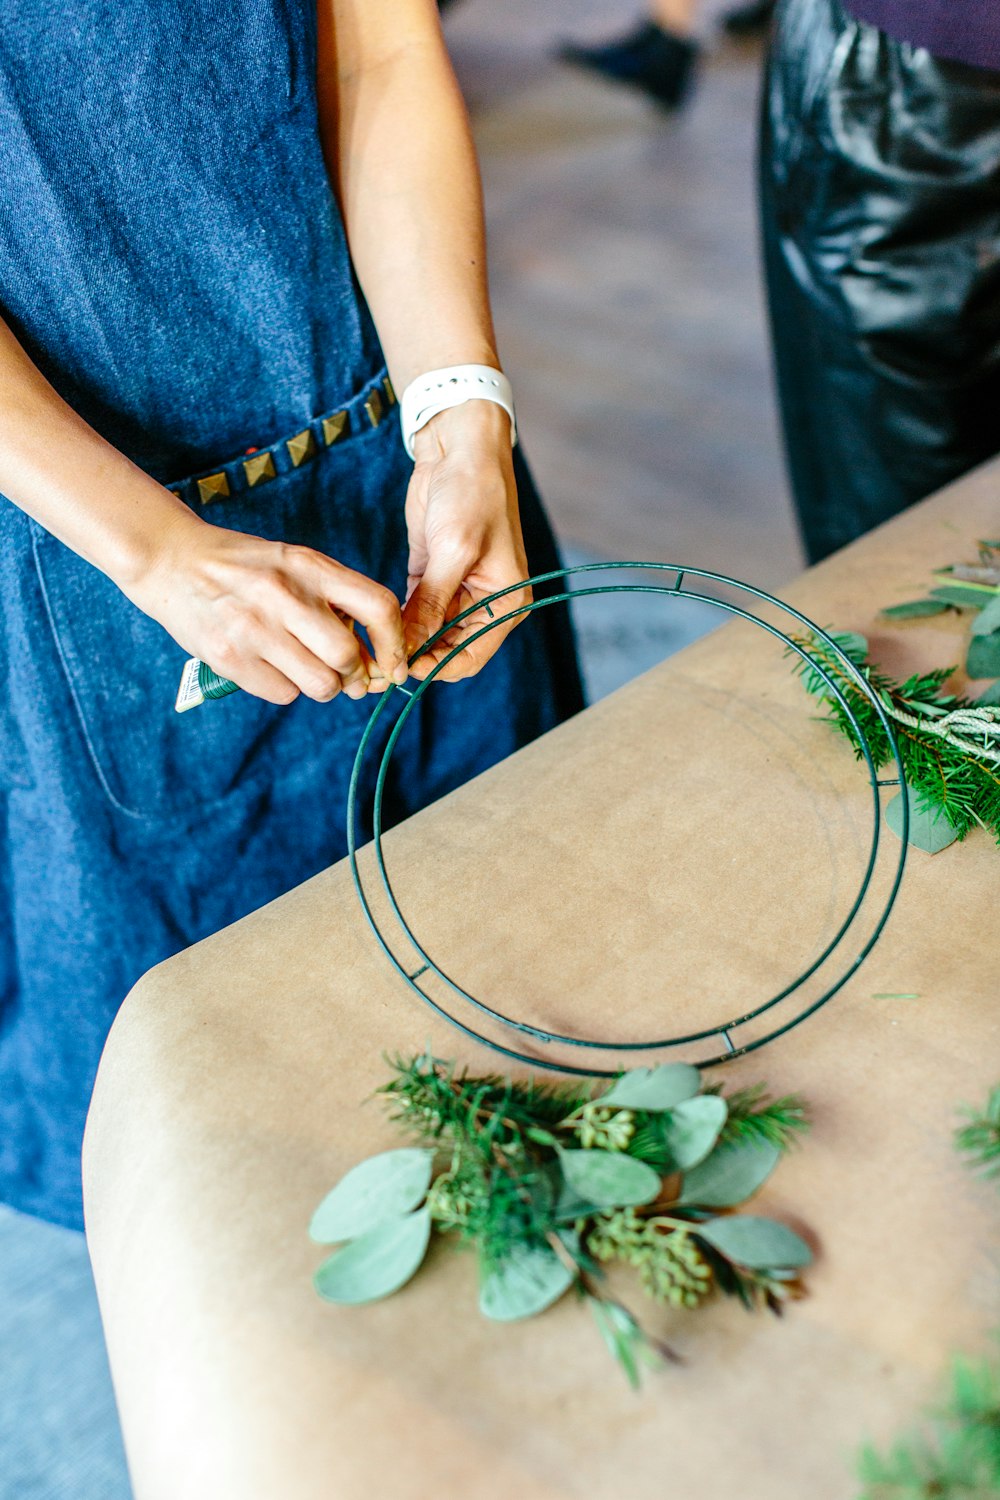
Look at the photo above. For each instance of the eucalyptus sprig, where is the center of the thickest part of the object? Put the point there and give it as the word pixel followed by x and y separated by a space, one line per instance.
pixel 552 1183
pixel 949 745
pixel 966 586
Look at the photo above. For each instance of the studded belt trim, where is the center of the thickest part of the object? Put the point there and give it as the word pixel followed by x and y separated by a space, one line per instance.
pixel 259 466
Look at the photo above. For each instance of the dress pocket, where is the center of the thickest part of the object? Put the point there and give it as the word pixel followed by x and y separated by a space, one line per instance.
pixel 122 671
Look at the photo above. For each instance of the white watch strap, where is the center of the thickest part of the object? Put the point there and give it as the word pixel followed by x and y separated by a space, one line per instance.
pixel 434 392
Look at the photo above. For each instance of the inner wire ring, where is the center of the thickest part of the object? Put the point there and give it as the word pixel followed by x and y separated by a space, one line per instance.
pixel 723 1030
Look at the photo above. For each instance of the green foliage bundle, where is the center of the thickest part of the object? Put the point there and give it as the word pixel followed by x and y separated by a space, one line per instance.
pixel 973 587
pixel 957 1457
pixel 950 746
pixel 550 1184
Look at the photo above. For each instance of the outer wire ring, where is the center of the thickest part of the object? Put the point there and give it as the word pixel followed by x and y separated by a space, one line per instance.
pixel 721 1030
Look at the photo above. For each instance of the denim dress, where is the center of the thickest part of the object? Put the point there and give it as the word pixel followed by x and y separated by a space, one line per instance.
pixel 174 261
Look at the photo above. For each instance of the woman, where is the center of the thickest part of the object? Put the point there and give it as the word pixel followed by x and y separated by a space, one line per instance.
pixel 199 453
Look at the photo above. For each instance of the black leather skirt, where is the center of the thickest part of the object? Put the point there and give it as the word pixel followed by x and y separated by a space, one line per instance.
pixel 880 208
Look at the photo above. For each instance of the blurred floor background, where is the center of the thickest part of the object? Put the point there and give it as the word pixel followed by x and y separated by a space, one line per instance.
pixel 624 265
pixel 626 287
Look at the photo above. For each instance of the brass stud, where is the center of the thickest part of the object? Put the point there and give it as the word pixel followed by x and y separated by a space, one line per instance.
pixel 390 394
pixel 333 427
pixel 301 447
pixel 373 406
pixel 259 469
pixel 212 487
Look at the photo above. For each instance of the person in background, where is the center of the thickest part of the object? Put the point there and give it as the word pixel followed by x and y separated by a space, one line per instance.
pixel 880 207
pixel 230 237
pixel 660 55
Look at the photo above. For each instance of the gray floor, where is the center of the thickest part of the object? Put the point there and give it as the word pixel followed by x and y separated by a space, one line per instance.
pixel 626 289
pixel 59 1437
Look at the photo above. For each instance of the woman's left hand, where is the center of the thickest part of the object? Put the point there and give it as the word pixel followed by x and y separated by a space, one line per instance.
pixel 465 535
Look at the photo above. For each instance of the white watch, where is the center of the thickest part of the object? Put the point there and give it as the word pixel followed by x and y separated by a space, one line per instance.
pixel 436 391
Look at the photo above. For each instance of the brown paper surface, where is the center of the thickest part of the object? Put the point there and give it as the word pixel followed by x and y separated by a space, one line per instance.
pixel 665 862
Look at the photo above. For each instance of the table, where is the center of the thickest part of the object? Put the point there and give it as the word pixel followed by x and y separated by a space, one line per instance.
pixel 668 851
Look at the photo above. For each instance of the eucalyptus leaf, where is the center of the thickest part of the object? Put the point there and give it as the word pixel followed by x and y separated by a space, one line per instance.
pixel 609 1178
pixel 983 656
pixel 693 1128
pixel 570 1206
pixel 758 1244
pixel 383 1187
pixel 376 1264
pixel 964 595
pixel 991 697
pixel 929 828
pixel 988 618
pixel 730 1175
pixel 914 609
pixel 654 1088
pixel 525 1282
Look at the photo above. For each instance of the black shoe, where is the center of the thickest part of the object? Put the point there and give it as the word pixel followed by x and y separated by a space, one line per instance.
pixel 656 61
pixel 750 19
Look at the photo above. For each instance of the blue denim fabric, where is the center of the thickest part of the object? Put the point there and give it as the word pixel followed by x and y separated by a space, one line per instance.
pixel 174 260
pixel 173 256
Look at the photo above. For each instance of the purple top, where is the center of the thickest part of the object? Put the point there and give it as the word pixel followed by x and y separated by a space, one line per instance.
pixel 966 30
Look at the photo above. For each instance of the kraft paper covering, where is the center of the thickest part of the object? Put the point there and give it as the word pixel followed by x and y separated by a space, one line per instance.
pixel 664 860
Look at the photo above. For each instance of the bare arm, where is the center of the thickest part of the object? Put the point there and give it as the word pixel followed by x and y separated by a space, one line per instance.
pixel 398 147
pixel 258 612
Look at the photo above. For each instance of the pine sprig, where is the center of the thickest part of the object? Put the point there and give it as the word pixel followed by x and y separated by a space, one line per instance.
pixel 755 1116
pixel 949 745
pixel 957 1458
pixel 957 1455
pixel 979 1138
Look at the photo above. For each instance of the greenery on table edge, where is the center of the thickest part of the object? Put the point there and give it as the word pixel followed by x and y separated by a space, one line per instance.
pixel 950 745
pixel 551 1183
pixel 974 586
pixel 958 1456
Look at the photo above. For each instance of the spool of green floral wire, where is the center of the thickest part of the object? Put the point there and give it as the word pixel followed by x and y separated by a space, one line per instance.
pixel 734 1037
pixel 199 682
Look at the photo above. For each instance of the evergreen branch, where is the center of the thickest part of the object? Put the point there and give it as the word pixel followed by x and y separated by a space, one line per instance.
pixel 949 746
pixel 958 1458
pixel 979 1140
pixel 755 1116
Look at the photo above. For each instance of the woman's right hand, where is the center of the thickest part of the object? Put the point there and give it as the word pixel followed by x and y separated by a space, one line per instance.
pixel 273 617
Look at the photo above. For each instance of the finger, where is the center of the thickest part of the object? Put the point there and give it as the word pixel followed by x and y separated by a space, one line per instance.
pixel 310 674
pixel 374 607
pixel 328 634
pixel 434 600
pixel 479 651
pixel 377 680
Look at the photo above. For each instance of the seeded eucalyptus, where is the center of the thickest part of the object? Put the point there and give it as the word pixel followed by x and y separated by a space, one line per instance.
pixel 550 1184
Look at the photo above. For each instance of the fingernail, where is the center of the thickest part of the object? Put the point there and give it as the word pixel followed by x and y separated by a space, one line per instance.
pixel 400 673
pixel 357 689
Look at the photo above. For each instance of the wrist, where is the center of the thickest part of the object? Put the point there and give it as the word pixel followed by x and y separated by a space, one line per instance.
pixel 148 553
pixel 451 388
pixel 478 427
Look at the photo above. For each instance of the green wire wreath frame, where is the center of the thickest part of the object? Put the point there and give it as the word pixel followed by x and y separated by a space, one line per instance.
pixel 426 964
